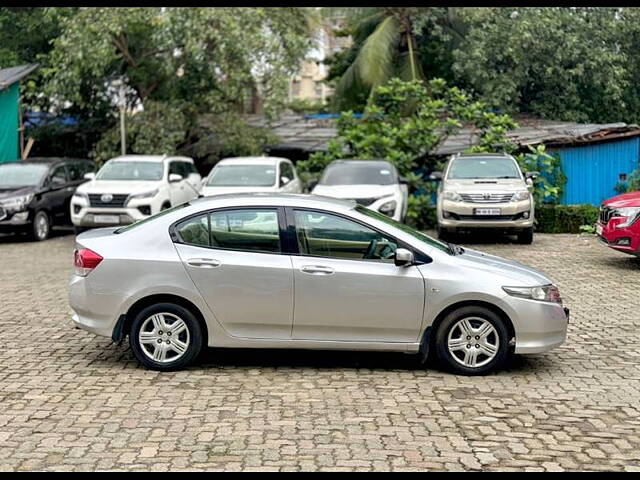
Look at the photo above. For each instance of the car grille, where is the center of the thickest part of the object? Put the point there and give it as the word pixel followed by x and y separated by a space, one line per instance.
pixel 487 218
pixel 365 202
pixel 606 214
pixel 118 201
pixel 486 197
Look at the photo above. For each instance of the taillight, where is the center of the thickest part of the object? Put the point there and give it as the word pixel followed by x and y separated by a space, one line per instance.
pixel 85 261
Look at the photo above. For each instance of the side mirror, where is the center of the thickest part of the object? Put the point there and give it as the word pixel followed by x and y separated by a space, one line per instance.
pixel 174 178
pixel 437 176
pixel 56 182
pixel 89 176
pixel 532 175
pixel 403 258
pixel 312 184
pixel 284 180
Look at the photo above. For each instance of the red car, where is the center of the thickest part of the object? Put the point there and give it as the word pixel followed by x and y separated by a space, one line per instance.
pixel 619 223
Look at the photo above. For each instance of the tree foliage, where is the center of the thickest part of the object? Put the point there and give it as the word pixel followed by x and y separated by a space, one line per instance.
pixel 405 122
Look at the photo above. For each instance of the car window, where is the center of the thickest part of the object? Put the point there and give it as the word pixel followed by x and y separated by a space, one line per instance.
pixel 483 168
pixel 131 171
pixel 242 176
pixel 176 168
pixel 244 230
pixel 359 173
pixel 286 170
pixel 77 170
pixel 324 235
pixel 59 175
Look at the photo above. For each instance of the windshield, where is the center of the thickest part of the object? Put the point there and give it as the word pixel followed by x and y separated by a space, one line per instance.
pixel 406 229
pixel 131 171
pixel 355 174
pixel 21 174
pixel 243 176
pixel 483 168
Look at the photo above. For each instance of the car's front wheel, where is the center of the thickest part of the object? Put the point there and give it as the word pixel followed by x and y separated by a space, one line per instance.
pixel 41 227
pixel 472 341
pixel 165 337
pixel 525 237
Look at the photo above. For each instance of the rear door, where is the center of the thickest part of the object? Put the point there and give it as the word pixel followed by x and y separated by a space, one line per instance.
pixel 235 259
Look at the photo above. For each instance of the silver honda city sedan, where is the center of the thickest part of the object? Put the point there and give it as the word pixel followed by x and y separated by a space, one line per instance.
pixel 305 272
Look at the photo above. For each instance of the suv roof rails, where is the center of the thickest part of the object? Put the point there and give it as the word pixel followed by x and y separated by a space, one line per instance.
pixel 482 154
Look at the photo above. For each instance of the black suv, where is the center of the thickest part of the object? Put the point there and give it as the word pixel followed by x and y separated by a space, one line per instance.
pixel 35 194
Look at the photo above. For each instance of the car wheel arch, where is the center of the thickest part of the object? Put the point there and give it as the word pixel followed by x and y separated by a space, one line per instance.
pixel 125 322
pixel 435 325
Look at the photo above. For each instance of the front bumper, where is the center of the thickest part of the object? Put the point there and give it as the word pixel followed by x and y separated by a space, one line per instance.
pixel 15 222
pixel 539 326
pixel 625 240
pixel 463 215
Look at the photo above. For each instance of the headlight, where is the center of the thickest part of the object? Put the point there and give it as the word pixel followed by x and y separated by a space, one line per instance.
pixel 16 204
pixel 81 196
pixel 453 196
pixel 547 293
pixel 520 196
pixel 388 208
pixel 630 213
pixel 139 196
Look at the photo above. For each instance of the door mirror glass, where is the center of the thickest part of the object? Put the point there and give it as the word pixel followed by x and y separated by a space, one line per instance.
pixel 403 258
pixel 89 176
pixel 174 178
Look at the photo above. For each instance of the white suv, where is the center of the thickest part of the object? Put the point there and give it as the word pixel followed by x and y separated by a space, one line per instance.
pixel 374 184
pixel 133 187
pixel 252 175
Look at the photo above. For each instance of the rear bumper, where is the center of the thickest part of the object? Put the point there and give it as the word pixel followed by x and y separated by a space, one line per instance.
pixel 93 312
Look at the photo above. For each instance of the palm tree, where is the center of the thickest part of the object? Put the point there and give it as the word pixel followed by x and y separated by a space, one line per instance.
pixel 385 39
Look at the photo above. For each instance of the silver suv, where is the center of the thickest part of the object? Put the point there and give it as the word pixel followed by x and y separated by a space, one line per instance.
pixel 485 191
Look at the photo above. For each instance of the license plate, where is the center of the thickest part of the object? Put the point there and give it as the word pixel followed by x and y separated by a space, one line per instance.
pixel 107 219
pixel 599 230
pixel 487 211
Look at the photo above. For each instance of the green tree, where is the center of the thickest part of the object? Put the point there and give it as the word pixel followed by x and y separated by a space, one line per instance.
pixel 410 43
pixel 561 63
pixel 219 58
pixel 405 122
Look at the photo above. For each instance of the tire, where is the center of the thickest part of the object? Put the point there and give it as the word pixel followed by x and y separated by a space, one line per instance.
pixel 443 234
pixel 525 237
pixel 165 206
pixel 41 227
pixel 156 322
pixel 460 358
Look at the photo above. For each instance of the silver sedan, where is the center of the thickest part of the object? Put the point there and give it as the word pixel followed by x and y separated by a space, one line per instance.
pixel 305 272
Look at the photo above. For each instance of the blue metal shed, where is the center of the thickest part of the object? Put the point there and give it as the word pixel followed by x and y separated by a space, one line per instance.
pixel 594 169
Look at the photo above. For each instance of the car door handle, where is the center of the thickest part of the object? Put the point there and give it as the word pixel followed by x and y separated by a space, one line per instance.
pixel 317 270
pixel 204 262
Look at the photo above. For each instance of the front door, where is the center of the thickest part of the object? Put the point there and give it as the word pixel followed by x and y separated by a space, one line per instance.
pixel 347 287
pixel 234 259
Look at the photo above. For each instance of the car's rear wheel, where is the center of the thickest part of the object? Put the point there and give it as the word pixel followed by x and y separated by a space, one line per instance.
pixel 472 341
pixel 41 227
pixel 165 337
pixel 525 237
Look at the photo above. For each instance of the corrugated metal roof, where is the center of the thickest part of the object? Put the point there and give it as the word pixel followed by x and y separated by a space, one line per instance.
pixel 9 76
pixel 296 131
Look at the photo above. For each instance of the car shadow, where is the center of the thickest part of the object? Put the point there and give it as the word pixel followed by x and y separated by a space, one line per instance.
pixel 56 232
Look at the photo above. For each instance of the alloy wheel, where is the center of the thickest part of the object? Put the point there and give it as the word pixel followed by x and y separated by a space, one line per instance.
pixel 473 342
pixel 164 338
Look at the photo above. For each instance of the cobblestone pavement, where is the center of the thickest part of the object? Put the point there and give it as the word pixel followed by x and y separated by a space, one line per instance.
pixel 71 401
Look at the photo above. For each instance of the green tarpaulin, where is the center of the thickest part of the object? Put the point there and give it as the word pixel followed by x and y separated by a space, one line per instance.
pixel 9 123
